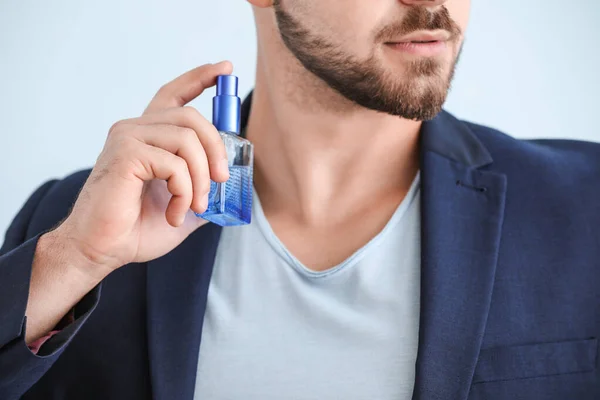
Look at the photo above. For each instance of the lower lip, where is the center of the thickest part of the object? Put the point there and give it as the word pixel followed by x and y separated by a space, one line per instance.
pixel 420 49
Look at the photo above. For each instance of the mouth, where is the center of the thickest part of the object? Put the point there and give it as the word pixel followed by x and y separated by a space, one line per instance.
pixel 422 43
pixel 425 37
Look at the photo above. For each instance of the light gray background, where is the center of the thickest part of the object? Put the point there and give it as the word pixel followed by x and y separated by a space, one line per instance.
pixel 69 69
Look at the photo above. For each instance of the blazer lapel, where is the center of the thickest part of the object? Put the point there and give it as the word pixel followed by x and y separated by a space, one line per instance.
pixel 177 289
pixel 462 214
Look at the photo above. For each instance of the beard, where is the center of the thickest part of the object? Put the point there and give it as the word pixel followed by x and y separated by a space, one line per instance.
pixel 417 95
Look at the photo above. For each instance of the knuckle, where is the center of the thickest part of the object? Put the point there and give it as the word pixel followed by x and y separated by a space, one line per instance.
pixel 216 144
pixel 181 167
pixel 115 128
pixel 214 150
pixel 188 135
pixel 122 129
pixel 189 114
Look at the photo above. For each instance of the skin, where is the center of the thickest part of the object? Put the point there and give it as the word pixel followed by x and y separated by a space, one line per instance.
pixel 323 162
pixel 324 171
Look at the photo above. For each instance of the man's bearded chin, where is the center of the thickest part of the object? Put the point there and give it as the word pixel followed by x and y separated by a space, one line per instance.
pixel 418 94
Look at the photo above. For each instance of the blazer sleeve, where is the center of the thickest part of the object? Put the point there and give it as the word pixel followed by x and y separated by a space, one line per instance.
pixel 20 368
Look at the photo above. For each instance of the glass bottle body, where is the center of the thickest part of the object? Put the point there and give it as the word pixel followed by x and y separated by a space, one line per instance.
pixel 230 203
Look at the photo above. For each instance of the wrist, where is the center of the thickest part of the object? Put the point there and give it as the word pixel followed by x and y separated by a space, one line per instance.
pixel 60 277
pixel 64 250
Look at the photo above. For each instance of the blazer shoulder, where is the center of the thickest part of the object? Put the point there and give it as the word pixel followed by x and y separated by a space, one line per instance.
pixel 57 202
pixel 566 158
pixel 546 177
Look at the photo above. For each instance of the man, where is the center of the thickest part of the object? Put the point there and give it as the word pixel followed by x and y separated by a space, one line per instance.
pixel 395 251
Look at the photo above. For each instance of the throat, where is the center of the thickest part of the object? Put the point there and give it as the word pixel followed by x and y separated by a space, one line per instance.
pixel 322 245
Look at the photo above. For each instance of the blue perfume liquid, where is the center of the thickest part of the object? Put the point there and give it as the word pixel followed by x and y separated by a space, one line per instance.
pixel 230 203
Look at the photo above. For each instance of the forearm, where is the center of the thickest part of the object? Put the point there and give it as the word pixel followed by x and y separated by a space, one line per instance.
pixel 59 280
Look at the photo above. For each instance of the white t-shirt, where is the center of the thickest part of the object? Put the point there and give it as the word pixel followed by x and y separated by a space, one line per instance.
pixel 274 329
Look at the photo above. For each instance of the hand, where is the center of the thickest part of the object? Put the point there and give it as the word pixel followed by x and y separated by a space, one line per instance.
pixel 152 173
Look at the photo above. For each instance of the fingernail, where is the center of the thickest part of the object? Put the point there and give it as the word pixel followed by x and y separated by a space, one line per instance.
pixel 222 63
pixel 205 202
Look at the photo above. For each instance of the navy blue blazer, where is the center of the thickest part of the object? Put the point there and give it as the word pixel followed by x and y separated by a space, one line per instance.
pixel 510 305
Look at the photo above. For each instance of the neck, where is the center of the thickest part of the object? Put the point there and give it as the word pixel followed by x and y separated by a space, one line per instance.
pixel 319 161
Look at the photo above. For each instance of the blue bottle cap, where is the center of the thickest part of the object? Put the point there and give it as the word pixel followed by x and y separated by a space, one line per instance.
pixel 227 85
pixel 227 105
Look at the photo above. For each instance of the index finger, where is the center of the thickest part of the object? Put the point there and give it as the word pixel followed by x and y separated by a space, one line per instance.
pixel 188 86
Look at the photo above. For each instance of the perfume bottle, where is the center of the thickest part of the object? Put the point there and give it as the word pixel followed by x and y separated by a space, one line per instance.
pixel 230 203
